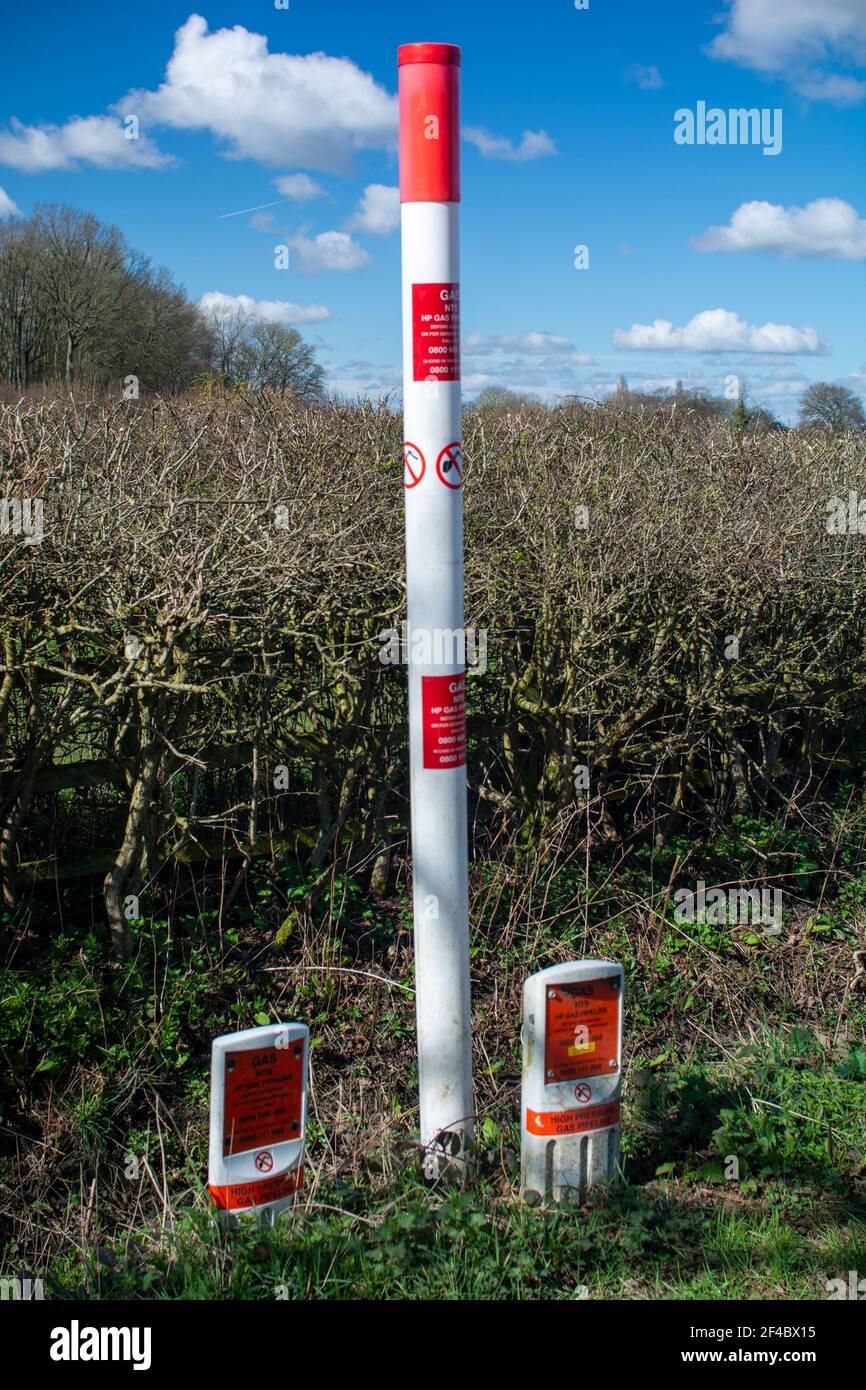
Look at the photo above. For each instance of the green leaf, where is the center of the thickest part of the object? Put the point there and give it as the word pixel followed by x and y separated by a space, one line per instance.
pixel 285 930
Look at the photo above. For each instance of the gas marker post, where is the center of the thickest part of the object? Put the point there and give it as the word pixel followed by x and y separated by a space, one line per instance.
pixel 258 1115
pixel 429 78
pixel 572 1067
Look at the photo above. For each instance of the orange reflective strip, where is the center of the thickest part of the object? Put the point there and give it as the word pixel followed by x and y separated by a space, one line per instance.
pixel 254 1194
pixel 558 1122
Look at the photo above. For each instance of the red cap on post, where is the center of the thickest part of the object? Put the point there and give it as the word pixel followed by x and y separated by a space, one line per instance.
pixel 429 122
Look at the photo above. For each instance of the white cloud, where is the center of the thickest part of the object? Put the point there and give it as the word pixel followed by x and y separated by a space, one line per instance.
pixel 272 310
pixel 601 384
pixel 650 385
pixel 372 380
pixel 310 109
pixel 796 40
pixel 719 330
pixel 7 207
pixel 777 370
pixel 476 381
pixel 300 187
pixel 99 140
pixel 777 390
pixel 378 211
pixel 544 363
pixel 263 222
pixel 531 343
pixel 827 228
pixel 839 91
pixel 534 144
pixel 649 78
pixel 327 251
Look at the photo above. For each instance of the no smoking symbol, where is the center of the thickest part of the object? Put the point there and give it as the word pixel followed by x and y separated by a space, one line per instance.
pixel 449 465
pixel 582 1093
pixel 265 1161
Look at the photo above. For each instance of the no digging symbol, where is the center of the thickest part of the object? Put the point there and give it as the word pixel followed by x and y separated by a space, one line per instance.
pixel 265 1161
pixel 414 465
pixel 449 465
pixel 582 1093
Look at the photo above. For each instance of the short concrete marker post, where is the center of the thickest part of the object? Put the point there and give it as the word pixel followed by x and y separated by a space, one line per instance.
pixel 258 1116
pixel 570 1093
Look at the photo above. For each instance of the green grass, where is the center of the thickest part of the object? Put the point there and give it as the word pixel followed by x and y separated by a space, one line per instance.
pixel 744 1085
pixel 667 1240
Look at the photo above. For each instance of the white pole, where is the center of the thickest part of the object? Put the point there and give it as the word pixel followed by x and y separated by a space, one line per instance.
pixel 433 472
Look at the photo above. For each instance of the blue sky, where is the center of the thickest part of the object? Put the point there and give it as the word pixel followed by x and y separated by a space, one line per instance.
pixel 706 261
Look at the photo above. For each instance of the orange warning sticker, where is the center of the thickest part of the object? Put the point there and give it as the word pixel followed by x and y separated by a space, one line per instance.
pixel 581 1036
pixel 559 1122
pixel 254 1194
pixel 263 1097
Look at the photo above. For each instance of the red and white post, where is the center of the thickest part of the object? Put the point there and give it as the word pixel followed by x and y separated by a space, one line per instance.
pixel 433 478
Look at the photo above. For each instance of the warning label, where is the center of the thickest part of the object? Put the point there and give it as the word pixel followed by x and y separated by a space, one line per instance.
pixel 414 465
pixel 254 1194
pixel 557 1122
pixel 443 706
pixel 581 1031
pixel 436 332
pixel 262 1098
pixel 449 466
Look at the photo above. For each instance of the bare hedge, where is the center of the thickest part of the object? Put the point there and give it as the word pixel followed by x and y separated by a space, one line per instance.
pixel 191 653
